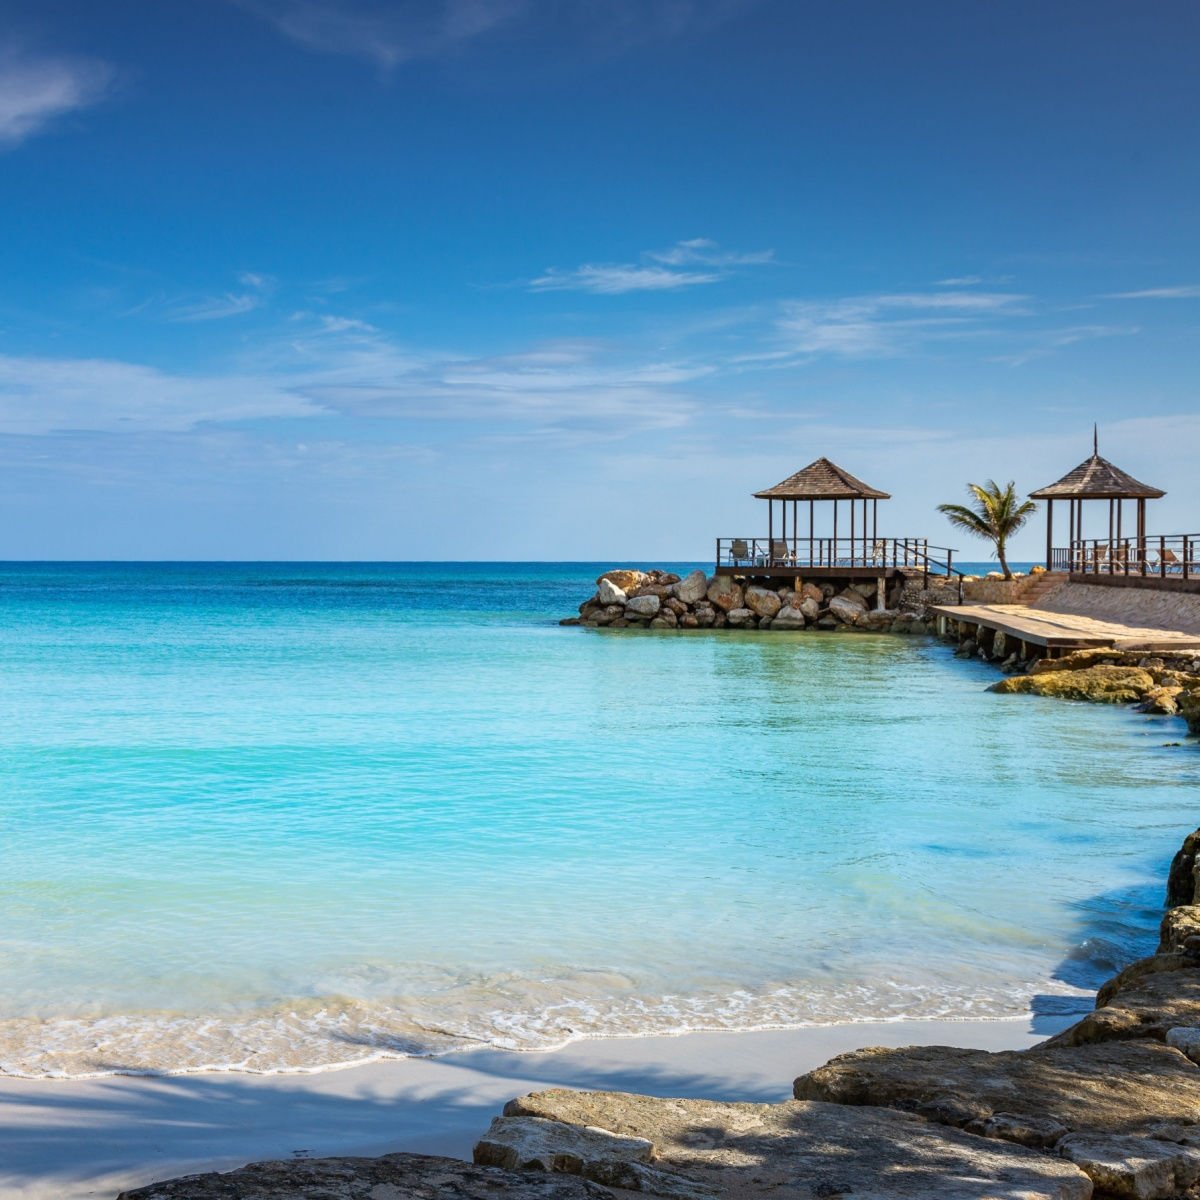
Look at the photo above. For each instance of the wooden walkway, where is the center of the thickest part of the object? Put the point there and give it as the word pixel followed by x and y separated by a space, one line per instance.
pixel 1065 631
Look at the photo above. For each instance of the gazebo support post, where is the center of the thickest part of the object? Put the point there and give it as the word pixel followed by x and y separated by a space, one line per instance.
pixel 1049 535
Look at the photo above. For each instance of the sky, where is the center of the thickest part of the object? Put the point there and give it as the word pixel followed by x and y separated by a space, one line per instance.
pixel 563 279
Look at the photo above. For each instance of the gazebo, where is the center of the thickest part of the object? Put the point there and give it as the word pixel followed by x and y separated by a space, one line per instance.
pixel 824 481
pixel 1097 480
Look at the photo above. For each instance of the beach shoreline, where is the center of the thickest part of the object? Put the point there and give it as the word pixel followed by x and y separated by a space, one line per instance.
pixel 90 1138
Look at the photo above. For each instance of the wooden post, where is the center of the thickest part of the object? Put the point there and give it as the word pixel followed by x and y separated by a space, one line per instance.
pixel 1049 535
pixel 853 553
pixel 1141 534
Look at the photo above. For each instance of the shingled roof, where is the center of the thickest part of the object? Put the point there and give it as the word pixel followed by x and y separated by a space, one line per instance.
pixel 1097 479
pixel 822 480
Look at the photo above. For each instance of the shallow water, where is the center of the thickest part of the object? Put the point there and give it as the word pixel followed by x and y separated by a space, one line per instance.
pixel 291 816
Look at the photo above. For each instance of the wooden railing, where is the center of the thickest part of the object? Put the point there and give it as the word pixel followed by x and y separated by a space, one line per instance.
pixel 831 553
pixel 1160 556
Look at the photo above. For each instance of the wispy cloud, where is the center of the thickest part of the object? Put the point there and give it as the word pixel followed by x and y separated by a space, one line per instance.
pixel 1183 291
pixel 705 251
pixel 48 395
pixel 383 31
pixel 36 89
pixel 230 304
pixel 393 32
pixel 613 279
pixel 686 264
pixel 1046 342
pixel 884 324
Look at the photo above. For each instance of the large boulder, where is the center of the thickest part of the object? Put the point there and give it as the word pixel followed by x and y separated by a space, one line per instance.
pixel 392 1177
pixel 726 593
pixel 626 578
pixel 607 592
pixel 849 609
pixel 812 591
pixel 1178 924
pixel 1033 1096
pixel 789 618
pixel 797 1150
pixel 740 617
pixel 1099 684
pixel 643 606
pixel 1183 878
pixel 811 608
pixel 762 602
pixel 692 587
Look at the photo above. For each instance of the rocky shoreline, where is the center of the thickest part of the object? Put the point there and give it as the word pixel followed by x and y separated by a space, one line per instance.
pixel 1108 1108
pixel 626 598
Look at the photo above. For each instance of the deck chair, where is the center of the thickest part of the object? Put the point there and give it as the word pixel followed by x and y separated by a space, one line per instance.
pixel 1099 557
pixel 1166 561
pixel 878 551
pixel 739 553
pixel 780 554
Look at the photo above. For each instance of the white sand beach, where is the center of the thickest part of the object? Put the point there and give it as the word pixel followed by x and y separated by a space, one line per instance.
pixel 66 1140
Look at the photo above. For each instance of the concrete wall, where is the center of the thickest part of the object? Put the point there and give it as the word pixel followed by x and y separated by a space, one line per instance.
pixel 1142 606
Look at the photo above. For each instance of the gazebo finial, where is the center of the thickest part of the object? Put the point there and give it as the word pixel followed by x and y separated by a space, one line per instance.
pixel 1095 440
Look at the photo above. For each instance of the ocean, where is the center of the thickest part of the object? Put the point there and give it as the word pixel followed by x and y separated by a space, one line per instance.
pixel 274 817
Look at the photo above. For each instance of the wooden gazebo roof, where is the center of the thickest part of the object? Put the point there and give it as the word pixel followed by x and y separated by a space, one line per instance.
pixel 823 480
pixel 1097 479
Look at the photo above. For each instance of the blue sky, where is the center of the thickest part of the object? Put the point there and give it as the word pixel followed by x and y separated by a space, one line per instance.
pixel 542 279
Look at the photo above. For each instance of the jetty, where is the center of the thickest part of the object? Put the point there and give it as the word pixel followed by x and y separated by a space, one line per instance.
pixel 1154 604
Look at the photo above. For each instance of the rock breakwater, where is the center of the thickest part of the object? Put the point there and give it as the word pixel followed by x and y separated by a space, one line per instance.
pixel 626 598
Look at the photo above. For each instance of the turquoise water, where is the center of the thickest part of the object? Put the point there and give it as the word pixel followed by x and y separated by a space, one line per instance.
pixel 290 816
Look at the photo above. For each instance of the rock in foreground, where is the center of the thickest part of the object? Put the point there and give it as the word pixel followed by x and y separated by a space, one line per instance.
pixel 795 1150
pixel 392 1177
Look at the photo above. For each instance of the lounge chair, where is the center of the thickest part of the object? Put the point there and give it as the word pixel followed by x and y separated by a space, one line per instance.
pixel 739 553
pixel 781 555
pixel 1099 557
pixel 1166 561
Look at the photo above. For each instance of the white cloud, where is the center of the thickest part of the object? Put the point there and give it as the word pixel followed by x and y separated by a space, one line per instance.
pixel 708 253
pixel 231 304
pixel 383 31
pixel 1046 341
pixel 37 89
pixel 1184 291
pixel 660 270
pixel 868 326
pixel 612 279
pixel 46 395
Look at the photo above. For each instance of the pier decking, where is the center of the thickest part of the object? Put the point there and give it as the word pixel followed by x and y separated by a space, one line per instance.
pixel 1060 633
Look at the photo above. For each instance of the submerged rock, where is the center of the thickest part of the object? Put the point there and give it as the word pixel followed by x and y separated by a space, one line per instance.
pixel 795 1150
pixel 1099 684
pixel 392 1177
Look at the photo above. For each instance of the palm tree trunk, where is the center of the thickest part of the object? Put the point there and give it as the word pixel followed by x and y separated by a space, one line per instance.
pixel 1000 551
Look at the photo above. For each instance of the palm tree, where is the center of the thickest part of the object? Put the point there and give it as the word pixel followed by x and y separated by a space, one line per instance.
pixel 994 515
